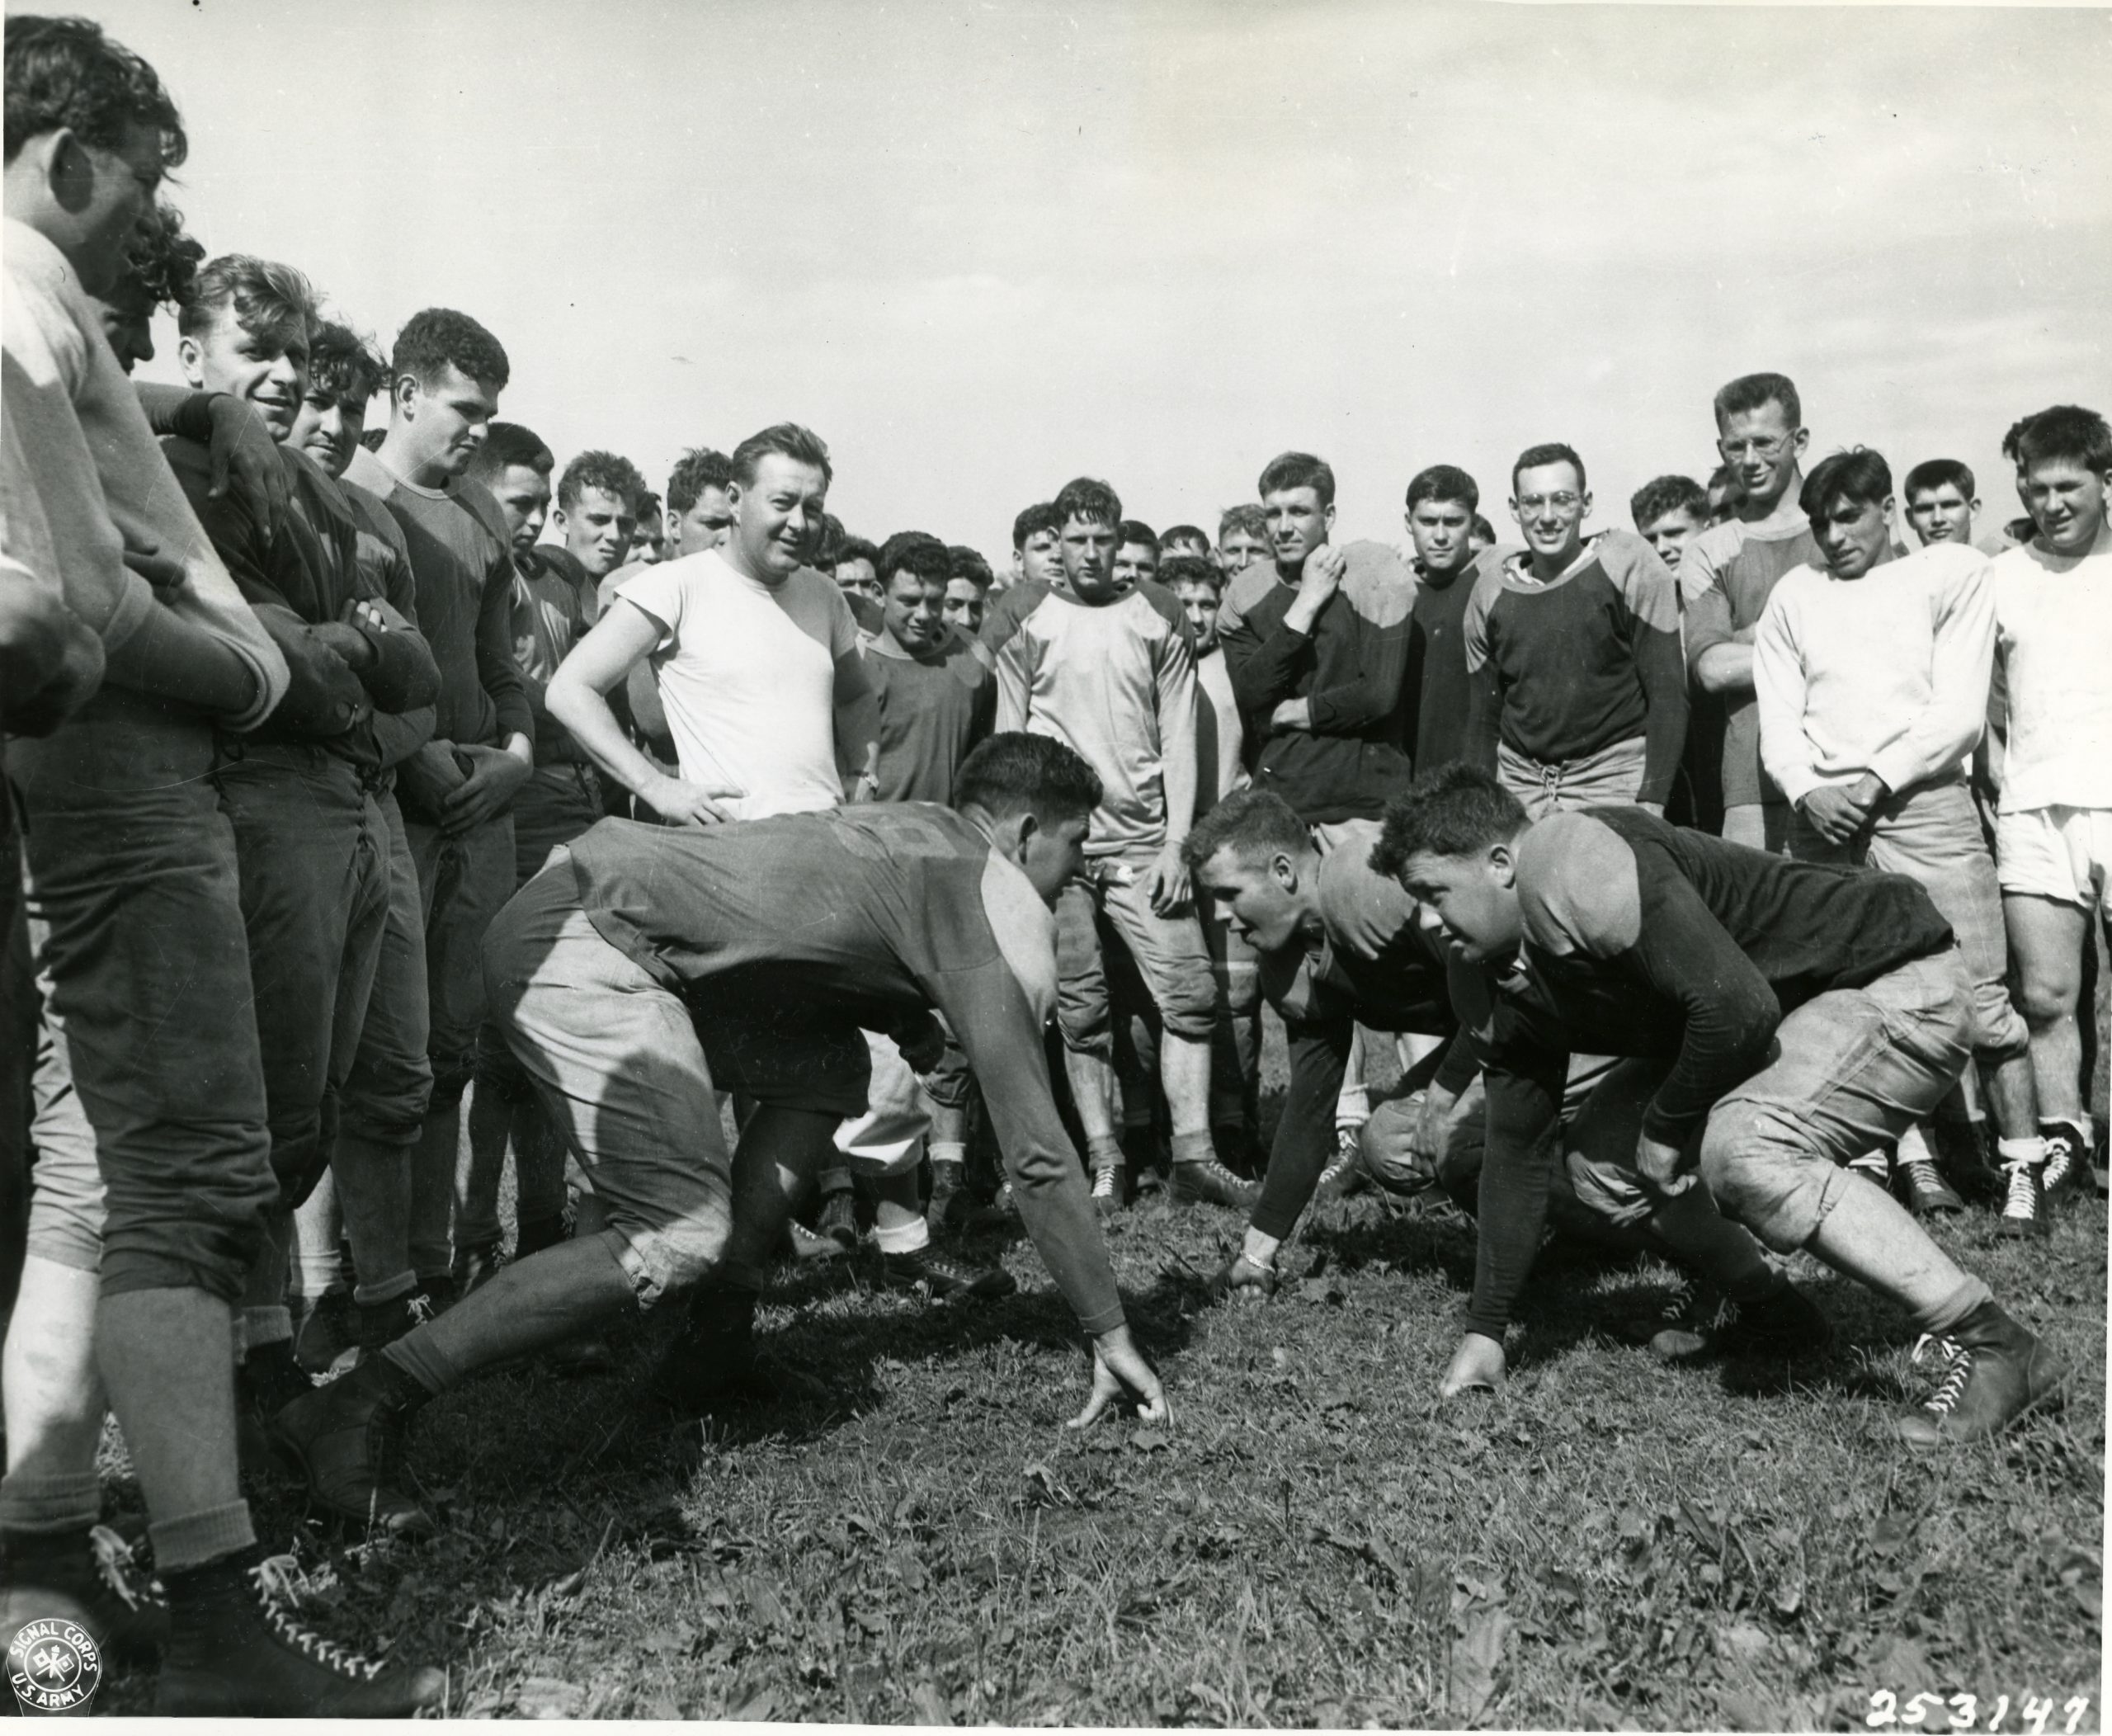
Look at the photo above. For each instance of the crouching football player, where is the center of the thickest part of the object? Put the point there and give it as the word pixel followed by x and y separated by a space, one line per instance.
pixel 1340 941
pixel 765 945
pixel 1809 1013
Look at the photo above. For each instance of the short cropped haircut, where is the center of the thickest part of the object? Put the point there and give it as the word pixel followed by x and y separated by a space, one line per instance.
pixel 1483 529
pixel 1663 494
pixel 787 439
pixel 1137 531
pixel 1861 478
pixel 858 548
pixel 1446 483
pixel 1090 501
pixel 1253 823
pixel 269 299
pixel 509 444
pixel 66 72
pixel 1456 810
pixel 1018 773
pixel 436 338
pixel 913 551
pixel 1248 516
pixel 1934 473
pixel 1190 569
pixel 343 364
pixel 604 470
pixel 1550 452
pixel 695 471
pixel 1041 516
pixel 2065 433
pixel 1181 534
pixel 1750 391
pixel 649 506
pixel 969 564
pixel 163 260
pixel 1297 470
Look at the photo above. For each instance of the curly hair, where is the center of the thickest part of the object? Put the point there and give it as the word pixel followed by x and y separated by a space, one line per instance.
pixel 434 338
pixel 603 470
pixel 164 260
pixel 66 72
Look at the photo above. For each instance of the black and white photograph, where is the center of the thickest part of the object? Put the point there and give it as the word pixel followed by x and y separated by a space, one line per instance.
pixel 1089 863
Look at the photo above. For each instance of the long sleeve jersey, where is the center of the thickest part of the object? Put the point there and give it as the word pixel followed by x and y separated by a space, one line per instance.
pixel 1727 573
pixel 385 560
pixel 301 572
pixel 1352 671
pixel 1116 683
pixel 1579 663
pixel 91 471
pixel 882 913
pixel 1887 673
pixel 462 559
pixel 1643 938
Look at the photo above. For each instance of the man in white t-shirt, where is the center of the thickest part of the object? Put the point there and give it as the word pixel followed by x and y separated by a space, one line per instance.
pixel 755 654
pixel 2054 826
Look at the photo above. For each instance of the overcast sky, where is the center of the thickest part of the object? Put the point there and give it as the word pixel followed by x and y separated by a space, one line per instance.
pixel 982 247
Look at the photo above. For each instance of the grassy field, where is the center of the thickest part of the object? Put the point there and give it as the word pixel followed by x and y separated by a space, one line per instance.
pixel 1609 1544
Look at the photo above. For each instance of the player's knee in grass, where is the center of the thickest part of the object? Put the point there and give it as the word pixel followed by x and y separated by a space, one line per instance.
pixel 1763 1172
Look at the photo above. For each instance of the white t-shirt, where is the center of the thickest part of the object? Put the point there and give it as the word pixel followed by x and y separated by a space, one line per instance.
pixel 2053 670
pixel 748 677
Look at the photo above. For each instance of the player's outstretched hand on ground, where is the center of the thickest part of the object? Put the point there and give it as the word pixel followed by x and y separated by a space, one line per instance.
pixel 1242 1280
pixel 1478 1366
pixel 1120 1372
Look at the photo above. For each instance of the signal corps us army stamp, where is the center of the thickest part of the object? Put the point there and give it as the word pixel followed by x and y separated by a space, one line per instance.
pixel 53 1666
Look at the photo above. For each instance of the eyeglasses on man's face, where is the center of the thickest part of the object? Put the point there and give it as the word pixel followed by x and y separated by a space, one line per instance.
pixel 1531 505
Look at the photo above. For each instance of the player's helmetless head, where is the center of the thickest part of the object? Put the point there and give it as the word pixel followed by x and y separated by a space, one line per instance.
pixel 1185 540
pixel 1089 517
pixel 161 264
pixel 1441 505
pixel 244 330
pixel 1199 589
pixel 343 374
pixel 448 372
pixel 1451 841
pixel 856 567
pixel 597 514
pixel 778 492
pixel 1298 501
pixel 649 542
pixel 1761 434
pixel 515 465
pixel 1848 499
pixel 1037 544
pixel 2063 459
pixel 1253 859
pixel 1136 554
pixel 699 514
pixel 1550 499
pixel 1243 537
pixel 1941 502
pixel 1035 797
pixel 913 594
pixel 91 132
pixel 1669 512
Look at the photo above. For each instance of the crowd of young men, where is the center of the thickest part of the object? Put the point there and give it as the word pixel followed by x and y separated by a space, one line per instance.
pixel 354 773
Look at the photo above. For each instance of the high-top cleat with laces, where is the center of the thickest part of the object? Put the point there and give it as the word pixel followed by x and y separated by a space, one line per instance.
pixel 475 1266
pixel 1110 1186
pixel 2000 1371
pixel 839 1218
pixel 238 1649
pixel 348 1439
pixel 329 1330
pixel 86 1577
pixel 810 1247
pixel 1344 1174
pixel 1205 1178
pixel 2024 1201
pixel 1700 1323
pixel 945 1275
pixel 1920 1184
pixel 2067 1162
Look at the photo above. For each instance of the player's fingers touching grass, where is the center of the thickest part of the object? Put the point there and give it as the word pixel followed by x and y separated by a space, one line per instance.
pixel 1120 1374
pixel 1478 1366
